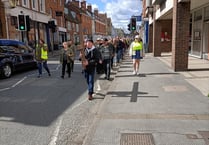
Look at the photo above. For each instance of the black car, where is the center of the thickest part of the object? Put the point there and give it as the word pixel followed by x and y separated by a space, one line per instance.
pixel 15 56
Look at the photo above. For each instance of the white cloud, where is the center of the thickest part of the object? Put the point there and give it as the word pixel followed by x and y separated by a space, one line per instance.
pixel 120 11
pixel 94 6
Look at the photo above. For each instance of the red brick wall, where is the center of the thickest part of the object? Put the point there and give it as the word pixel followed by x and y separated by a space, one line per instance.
pixel 3 22
pixel 180 39
pixel 157 38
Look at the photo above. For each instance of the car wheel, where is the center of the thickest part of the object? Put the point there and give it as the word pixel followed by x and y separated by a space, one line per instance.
pixel 7 71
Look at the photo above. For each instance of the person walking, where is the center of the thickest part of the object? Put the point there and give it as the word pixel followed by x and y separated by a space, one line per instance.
pixel 73 48
pixel 42 57
pixel 135 48
pixel 107 53
pixel 66 58
pixel 92 57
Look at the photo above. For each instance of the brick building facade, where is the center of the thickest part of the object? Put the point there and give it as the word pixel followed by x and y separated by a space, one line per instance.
pixel 74 21
pixel 178 26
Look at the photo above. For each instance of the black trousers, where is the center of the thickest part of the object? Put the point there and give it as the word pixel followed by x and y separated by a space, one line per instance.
pixel 64 64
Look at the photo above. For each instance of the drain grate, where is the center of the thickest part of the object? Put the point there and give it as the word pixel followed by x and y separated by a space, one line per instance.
pixel 136 139
pixel 205 135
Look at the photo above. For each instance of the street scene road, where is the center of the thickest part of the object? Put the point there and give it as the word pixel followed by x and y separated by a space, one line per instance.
pixel 140 72
pixel 47 110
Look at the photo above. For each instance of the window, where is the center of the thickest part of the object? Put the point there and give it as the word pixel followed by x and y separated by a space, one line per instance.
pixel 25 3
pixel 42 5
pixel 206 18
pixel 198 15
pixel 73 14
pixel 34 4
pixel 68 25
pixel 77 28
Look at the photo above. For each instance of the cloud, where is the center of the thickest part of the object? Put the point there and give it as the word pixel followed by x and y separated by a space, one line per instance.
pixel 94 6
pixel 120 11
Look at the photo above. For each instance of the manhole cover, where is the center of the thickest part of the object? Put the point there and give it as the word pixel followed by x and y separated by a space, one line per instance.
pixel 205 135
pixel 136 139
pixel 179 88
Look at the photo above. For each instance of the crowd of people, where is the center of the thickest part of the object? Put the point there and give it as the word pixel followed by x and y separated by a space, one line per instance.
pixel 96 57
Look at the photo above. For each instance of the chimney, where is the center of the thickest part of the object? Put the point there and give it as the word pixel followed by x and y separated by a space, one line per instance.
pixel 96 12
pixel 89 8
pixel 83 5
pixel 75 3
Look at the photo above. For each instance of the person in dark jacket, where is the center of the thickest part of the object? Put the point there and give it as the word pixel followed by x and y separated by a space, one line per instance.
pixel 92 58
pixel 66 58
pixel 107 53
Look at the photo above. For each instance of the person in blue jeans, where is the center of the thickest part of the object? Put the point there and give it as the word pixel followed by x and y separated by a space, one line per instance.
pixel 92 58
pixel 42 57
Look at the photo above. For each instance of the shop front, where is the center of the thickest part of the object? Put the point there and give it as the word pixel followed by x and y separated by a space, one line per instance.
pixel 200 33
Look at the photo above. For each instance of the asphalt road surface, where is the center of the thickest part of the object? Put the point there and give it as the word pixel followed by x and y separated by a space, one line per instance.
pixel 47 110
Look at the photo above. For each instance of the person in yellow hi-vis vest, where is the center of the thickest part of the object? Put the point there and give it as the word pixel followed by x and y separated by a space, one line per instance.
pixel 135 50
pixel 42 57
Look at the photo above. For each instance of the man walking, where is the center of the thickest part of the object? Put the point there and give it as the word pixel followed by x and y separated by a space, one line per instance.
pixel 107 53
pixel 92 57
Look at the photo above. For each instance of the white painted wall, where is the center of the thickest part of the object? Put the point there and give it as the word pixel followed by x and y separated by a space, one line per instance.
pixel 168 7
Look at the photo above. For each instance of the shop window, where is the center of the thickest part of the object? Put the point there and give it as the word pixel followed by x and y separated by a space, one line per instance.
pixel 198 15
pixel 206 18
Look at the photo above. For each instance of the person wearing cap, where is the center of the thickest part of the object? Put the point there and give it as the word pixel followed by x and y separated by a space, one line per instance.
pixel 107 53
pixel 92 58
pixel 135 48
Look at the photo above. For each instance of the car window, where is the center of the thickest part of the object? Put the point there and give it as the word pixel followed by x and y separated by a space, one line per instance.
pixel 7 49
pixel 24 49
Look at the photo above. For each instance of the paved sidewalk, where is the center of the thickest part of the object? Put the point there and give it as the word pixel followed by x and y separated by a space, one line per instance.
pixel 158 107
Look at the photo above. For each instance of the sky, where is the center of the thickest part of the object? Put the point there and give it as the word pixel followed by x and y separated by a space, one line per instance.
pixel 120 11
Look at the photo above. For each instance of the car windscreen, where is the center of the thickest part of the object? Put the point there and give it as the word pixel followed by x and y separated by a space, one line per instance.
pixel 16 49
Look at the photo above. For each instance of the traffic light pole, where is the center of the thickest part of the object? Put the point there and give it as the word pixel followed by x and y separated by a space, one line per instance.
pixel 22 34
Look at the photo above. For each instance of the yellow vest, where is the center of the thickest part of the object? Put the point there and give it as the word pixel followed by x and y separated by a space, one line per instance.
pixel 44 53
pixel 137 46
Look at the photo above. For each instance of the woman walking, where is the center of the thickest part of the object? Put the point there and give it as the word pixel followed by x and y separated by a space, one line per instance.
pixel 135 49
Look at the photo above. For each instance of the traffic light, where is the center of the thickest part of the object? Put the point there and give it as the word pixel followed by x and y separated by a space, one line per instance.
pixel 129 27
pixel 21 23
pixel 27 19
pixel 133 23
pixel 52 25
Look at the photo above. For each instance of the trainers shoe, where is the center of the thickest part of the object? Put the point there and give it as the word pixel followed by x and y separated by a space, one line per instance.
pixel 137 73
pixel 134 72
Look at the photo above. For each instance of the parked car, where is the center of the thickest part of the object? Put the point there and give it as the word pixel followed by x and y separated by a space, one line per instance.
pixel 15 56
